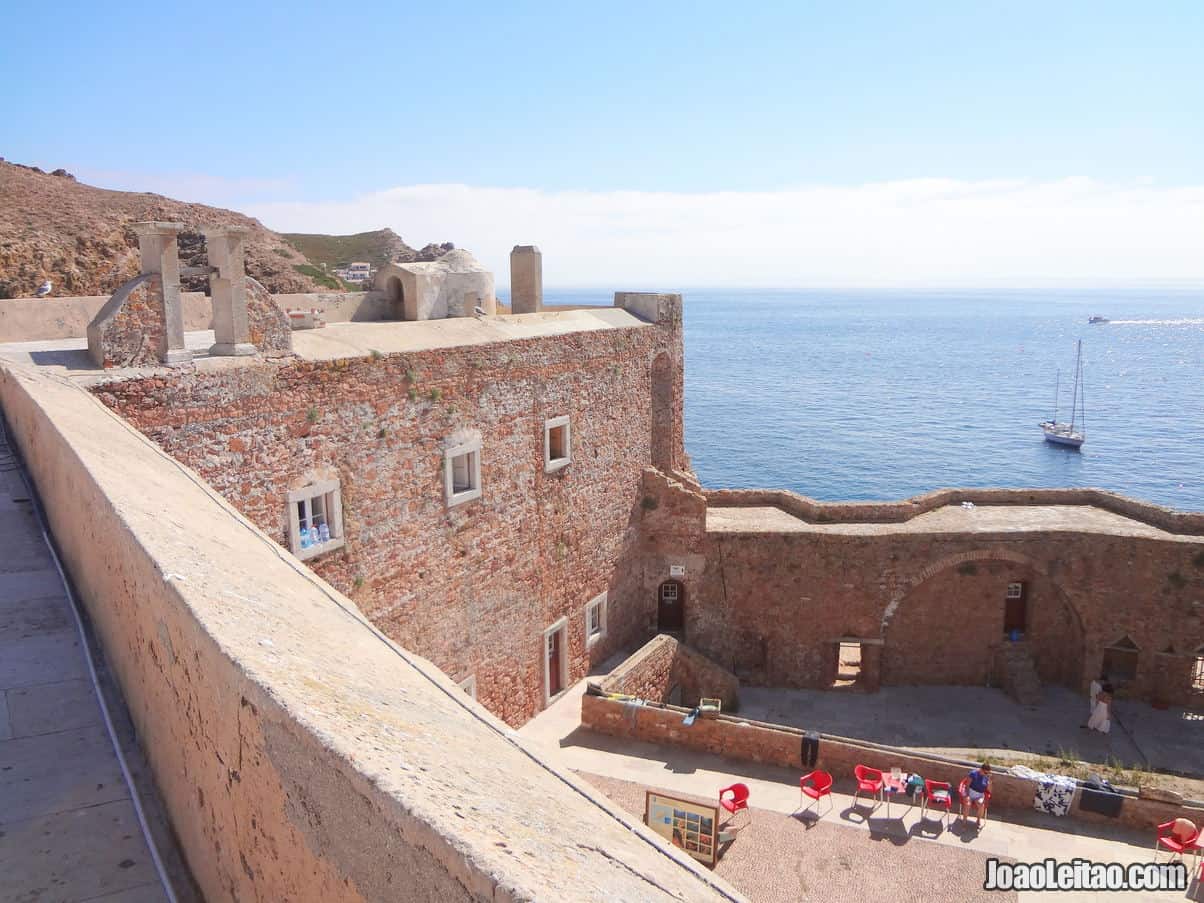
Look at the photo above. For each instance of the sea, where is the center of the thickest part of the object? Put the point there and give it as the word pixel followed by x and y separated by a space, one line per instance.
pixel 881 395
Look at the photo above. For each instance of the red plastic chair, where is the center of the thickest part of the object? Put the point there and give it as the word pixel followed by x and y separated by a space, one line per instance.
pixel 1178 836
pixel 738 799
pixel 816 785
pixel 937 794
pixel 963 792
pixel 869 780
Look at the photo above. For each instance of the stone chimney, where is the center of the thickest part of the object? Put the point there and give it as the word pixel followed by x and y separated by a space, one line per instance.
pixel 526 280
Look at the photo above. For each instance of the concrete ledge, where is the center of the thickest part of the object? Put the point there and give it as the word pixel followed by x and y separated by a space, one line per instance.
pixel 300 753
pixel 812 511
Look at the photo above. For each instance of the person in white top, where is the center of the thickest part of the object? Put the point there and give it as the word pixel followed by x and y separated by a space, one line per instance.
pixel 1101 714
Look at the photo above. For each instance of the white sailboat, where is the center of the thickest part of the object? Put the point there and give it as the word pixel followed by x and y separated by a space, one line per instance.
pixel 1069 434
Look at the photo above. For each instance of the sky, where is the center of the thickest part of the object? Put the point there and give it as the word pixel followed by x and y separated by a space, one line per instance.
pixel 654 145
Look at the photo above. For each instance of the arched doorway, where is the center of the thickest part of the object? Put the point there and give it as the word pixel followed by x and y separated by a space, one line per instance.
pixel 397 297
pixel 671 606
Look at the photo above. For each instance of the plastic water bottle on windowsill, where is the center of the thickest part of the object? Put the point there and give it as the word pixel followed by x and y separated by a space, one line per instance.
pixel 324 532
pixel 305 540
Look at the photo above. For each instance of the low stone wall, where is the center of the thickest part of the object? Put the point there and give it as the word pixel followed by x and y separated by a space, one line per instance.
pixel 46 319
pixel 663 665
pixel 300 753
pixel 770 744
pixel 812 511
pixel 342 307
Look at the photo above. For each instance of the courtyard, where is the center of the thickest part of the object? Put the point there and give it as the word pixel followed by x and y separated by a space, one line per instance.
pixel 982 722
pixel 850 852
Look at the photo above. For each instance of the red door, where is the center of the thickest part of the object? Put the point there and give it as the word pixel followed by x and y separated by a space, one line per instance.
pixel 1015 610
pixel 554 653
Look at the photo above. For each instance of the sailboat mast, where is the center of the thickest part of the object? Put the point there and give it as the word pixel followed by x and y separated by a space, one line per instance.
pixel 1057 389
pixel 1078 363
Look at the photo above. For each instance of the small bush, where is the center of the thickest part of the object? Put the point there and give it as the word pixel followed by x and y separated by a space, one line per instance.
pixel 412 376
pixel 413 393
pixel 381 433
pixel 359 581
pixel 375 354
pixel 436 394
pixel 312 415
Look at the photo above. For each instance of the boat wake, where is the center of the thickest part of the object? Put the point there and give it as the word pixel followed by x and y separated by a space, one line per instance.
pixel 1183 321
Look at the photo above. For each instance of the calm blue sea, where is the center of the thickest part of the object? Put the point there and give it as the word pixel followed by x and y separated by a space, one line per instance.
pixel 886 394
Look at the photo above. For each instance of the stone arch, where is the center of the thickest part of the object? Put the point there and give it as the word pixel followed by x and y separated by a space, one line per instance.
pixel 949 561
pixel 396 292
pixel 947 624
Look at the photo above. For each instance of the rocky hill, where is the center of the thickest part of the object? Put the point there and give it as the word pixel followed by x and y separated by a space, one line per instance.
pixel 378 248
pixel 81 238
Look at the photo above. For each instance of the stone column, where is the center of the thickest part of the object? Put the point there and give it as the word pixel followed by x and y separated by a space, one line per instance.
pixel 228 288
pixel 526 280
pixel 159 244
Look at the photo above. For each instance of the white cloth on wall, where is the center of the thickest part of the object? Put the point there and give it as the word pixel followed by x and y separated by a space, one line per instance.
pixel 1054 794
pixel 1094 691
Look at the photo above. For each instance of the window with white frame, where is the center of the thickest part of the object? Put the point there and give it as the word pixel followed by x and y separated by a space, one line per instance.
pixel 469 685
pixel 1015 591
pixel 315 519
pixel 595 619
pixel 462 472
pixel 556 444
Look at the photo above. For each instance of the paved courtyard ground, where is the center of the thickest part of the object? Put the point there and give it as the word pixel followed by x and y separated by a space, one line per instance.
pixel 777 858
pixel 973 722
pixel 900 857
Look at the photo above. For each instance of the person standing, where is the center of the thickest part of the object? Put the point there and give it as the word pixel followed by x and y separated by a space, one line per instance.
pixel 1101 715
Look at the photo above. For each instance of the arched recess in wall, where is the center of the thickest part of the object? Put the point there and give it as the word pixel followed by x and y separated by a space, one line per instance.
pixel 664 412
pixel 397 297
pixel 944 627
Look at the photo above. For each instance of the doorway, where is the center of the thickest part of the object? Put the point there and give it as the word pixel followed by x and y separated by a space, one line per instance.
pixel 671 607
pixel 555 660
pixel 848 665
pixel 1015 609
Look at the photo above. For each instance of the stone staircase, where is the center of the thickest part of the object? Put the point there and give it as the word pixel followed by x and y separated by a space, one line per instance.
pixel 1019 673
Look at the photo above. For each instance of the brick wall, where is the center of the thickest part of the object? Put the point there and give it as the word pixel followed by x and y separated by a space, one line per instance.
pixel 663 665
pixel 471 587
pixel 752 741
pixel 770 606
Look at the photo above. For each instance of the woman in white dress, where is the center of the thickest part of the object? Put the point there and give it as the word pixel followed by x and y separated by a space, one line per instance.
pixel 1101 714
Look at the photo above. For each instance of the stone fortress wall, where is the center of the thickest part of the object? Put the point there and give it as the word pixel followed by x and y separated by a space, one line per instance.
pixel 771 600
pixel 474 586
pixel 300 754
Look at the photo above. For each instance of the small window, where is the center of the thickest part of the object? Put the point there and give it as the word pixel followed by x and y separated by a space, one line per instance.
pixel 462 472
pixel 1015 591
pixel 556 444
pixel 315 519
pixel 595 620
pixel 469 685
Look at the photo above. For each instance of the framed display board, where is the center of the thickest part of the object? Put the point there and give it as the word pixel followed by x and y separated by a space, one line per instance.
pixel 687 825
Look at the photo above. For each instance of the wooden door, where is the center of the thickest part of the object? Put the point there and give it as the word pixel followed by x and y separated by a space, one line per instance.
pixel 554 654
pixel 671 606
pixel 1015 608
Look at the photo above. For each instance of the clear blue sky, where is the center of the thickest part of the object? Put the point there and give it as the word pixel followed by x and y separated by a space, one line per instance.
pixel 653 96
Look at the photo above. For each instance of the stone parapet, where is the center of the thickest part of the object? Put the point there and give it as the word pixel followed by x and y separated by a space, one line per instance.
pixel 300 754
